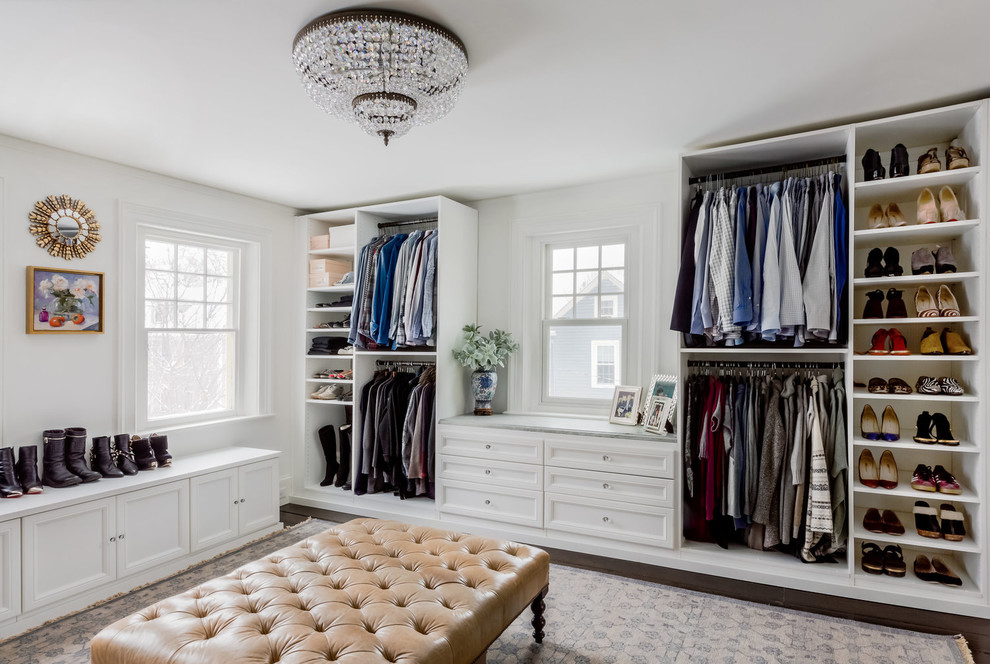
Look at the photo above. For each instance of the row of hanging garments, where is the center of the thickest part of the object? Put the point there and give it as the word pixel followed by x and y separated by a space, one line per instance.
pixel 765 459
pixel 765 262
pixel 397 446
pixel 395 292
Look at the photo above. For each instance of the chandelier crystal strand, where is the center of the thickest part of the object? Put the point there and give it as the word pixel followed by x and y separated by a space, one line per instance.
pixel 387 71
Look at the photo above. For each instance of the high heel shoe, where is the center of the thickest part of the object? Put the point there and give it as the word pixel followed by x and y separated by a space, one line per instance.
pixel 898 346
pixel 890 426
pixel 877 218
pixel 955 156
pixel 924 429
pixel 874 263
pixel 874 304
pixel 922 261
pixel 954 344
pixel 895 304
pixel 868 473
pixel 927 207
pixel 943 432
pixel 873 166
pixel 892 263
pixel 931 343
pixel 869 428
pixel 948 205
pixel 944 260
pixel 894 216
pixel 879 343
pixel 945 302
pixel 888 470
pixel 928 162
pixel 924 304
pixel 899 164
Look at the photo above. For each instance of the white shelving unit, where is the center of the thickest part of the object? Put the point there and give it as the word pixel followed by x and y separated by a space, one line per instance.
pixel 456 305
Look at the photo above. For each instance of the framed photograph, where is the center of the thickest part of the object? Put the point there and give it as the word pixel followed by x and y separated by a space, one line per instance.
pixel 625 405
pixel 662 384
pixel 63 301
pixel 658 411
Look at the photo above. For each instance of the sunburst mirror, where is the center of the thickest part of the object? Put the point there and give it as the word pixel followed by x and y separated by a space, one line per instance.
pixel 64 226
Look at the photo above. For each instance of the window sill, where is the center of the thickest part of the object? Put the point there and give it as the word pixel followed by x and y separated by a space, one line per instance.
pixel 209 423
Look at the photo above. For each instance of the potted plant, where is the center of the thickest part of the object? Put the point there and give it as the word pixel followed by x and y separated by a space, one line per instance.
pixel 483 354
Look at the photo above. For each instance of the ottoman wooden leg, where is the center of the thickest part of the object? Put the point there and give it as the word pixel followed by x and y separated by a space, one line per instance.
pixel 539 622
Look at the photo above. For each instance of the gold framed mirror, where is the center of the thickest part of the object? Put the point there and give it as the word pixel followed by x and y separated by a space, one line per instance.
pixel 64 226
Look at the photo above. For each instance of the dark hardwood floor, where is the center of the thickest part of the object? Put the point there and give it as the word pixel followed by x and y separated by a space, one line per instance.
pixel 976 630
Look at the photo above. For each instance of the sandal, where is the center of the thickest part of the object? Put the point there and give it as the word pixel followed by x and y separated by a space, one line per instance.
pixel 872 560
pixel 943 574
pixel 872 520
pixel 923 569
pixel 893 561
pixel 925 520
pixel 953 525
pixel 891 524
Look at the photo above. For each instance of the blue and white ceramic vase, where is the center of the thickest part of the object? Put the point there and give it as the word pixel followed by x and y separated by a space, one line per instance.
pixel 483 383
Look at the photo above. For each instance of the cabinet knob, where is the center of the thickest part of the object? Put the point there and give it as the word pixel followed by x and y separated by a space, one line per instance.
pixel 604 519
pixel 488 472
pixel 243 500
pixel 605 457
pixel 236 501
pixel 120 536
pixel 487 502
pixel 488 447
pixel 113 539
pixel 605 485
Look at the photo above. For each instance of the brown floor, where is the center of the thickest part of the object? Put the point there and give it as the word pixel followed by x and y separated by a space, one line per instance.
pixel 976 630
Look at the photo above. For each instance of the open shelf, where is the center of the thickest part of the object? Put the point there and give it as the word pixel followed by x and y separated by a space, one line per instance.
pixel 330 330
pixel 338 381
pixel 911 585
pixel 890 189
pixel 764 350
pixel 916 233
pixel 907 443
pixel 912 279
pixel 329 357
pixel 329 310
pixel 904 490
pixel 911 537
pixel 863 393
pixel 918 357
pixel 335 251
pixel 934 320
pixel 330 402
pixel 349 288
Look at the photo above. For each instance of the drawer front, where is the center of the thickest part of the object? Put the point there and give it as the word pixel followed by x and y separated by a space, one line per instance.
pixel 499 473
pixel 651 460
pixel 517 506
pixel 610 486
pixel 623 522
pixel 496 447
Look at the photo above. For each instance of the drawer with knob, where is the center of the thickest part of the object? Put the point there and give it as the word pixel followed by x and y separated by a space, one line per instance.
pixel 611 455
pixel 500 473
pixel 610 486
pixel 486 445
pixel 613 520
pixel 517 506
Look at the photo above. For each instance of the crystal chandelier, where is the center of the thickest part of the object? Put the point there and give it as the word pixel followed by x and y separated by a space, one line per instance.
pixel 385 70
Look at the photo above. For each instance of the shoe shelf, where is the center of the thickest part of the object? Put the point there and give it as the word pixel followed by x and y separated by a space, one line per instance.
pixel 888 189
pixel 329 310
pixel 934 320
pixel 911 538
pixel 964 446
pixel 764 351
pixel 918 357
pixel 329 357
pixel 347 252
pixel 863 393
pixel 330 330
pixel 332 381
pixel 332 402
pixel 910 279
pixel 349 288
pixel 914 586
pixel 916 233
pixel 904 490
pixel 398 352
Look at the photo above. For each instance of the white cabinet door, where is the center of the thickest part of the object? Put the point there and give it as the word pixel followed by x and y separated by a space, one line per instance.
pixel 152 526
pixel 214 500
pixel 257 488
pixel 10 569
pixel 68 551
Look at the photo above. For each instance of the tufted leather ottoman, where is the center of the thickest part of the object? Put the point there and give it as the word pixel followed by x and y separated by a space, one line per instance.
pixel 364 592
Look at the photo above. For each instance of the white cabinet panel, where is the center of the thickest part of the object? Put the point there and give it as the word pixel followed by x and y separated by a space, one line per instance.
pixel 258 495
pixel 214 501
pixel 517 506
pixel 502 473
pixel 611 520
pixel 68 550
pixel 486 445
pixel 611 486
pixel 649 459
pixel 10 569
pixel 152 526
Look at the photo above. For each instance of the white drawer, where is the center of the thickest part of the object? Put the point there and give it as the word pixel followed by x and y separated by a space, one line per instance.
pixel 486 445
pixel 608 454
pixel 518 506
pixel 500 473
pixel 617 521
pixel 610 486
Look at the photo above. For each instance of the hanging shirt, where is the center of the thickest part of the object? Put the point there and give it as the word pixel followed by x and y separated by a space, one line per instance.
pixel 742 298
pixel 699 299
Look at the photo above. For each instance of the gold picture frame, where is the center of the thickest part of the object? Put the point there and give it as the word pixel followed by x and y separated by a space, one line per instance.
pixel 64 301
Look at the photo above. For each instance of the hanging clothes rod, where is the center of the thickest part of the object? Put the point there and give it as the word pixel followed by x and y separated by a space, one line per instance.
pixel 402 363
pixel 408 222
pixel 838 160
pixel 719 364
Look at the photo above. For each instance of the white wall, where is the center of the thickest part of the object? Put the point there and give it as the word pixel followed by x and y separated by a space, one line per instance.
pixel 53 381
pixel 497 301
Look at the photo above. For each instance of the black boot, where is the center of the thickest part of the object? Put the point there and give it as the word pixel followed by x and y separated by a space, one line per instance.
pixel 75 454
pixel 160 445
pixel 121 452
pixel 892 263
pixel 144 456
pixel 344 471
pixel 9 487
pixel 328 441
pixel 27 469
pixel 899 165
pixel 874 263
pixel 101 460
pixel 872 166
pixel 54 472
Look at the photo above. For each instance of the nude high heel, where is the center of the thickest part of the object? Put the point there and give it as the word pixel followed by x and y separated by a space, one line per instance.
pixel 888 470
pixel 877 218
pixel 868 473
pixel 894 216
pixel 927 207
pixel 868 426
pixel 949 206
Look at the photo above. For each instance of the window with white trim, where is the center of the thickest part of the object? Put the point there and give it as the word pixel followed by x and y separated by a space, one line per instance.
pixel 584 317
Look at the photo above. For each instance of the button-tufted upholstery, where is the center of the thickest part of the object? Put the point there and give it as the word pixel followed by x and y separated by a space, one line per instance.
pixel 365 592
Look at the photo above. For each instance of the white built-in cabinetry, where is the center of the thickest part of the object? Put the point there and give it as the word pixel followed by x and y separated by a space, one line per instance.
pixel 67 548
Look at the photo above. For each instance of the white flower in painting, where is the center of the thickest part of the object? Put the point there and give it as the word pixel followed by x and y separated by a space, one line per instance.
pixel 83 288
pixel 45 287
pixel 60 283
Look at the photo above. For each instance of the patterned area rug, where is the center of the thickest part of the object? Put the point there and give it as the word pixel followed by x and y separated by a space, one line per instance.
pixel 592 618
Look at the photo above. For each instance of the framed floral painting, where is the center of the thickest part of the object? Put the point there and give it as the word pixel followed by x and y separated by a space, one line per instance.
pixel 64 301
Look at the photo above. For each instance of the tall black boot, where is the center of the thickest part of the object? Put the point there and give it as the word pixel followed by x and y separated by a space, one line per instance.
pixel 9 487
pixel 27 469
pixel 328 441
pixel 344 472
pixel 101 460
pixel 75 454
pixel 160 445
pixel 120 450
pixel 54 473
pixel 144 457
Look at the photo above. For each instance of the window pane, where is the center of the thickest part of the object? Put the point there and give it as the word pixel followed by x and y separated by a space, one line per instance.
pixel 563 284
pixel 587 282
pixel 159 255
pixel 587 307
pixel 613 281
pixel 159 285
pixel 191 315
pixel 563 259
pixel 159 314
pixel 217 289
pixel 614 255
pixel 587 258
pixel 606 307
pixel 218 262
pixel 191 287
pixel 570 362
pixel 563 307
pixel 217 315
pixel 620 307
pixel 189 373
pixel 192 259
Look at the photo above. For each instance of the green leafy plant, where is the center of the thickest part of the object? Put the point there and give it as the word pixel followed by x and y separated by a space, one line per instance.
pixel 485 353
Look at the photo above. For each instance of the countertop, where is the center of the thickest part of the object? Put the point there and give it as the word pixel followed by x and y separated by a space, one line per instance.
pixel 565 425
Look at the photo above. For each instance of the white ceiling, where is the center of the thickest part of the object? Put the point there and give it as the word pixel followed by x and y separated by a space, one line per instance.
pixel 559 91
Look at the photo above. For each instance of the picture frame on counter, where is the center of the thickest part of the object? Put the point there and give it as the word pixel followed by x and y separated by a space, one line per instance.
pixel 659 410
pixel 625 405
